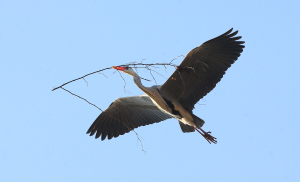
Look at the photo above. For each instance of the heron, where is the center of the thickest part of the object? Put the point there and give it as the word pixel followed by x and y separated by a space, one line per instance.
pixel 199 72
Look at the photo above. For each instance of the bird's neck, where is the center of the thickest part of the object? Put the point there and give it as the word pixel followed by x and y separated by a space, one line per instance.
pixel 138 82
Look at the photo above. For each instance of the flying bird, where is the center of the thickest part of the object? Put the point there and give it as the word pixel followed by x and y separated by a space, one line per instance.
pixel 200 71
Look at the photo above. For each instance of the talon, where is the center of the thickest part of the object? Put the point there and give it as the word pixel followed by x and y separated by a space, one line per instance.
pixel 207 136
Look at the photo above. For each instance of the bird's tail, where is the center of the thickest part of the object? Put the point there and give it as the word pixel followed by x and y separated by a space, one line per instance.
pixel 198 121
pixel 187 128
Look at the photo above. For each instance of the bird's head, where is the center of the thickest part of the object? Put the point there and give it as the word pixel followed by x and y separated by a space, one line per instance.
pixel 126 69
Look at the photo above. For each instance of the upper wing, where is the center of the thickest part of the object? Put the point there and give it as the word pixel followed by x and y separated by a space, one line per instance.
pixel 125 114
pixel 202 68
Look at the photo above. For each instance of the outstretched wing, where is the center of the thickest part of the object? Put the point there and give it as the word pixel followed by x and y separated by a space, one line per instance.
pixel 202 68
pixel 125 114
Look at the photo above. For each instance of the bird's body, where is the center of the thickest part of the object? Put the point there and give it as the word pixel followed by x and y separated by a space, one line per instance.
pixel 164 102
pixel 200 71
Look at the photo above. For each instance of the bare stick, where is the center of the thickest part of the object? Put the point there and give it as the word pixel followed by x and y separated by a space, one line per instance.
pixel 81 98
pixel 145 79
pixel 80 78
pixel 151 74
pixel 159 74
pixel 165 68
pixel 176 58
pixel 103 75
pixel 124 82
pixel 87 84
pixel 131 64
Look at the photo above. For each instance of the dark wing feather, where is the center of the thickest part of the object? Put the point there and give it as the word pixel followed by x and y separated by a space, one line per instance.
pixel 202 68
pixel 125 114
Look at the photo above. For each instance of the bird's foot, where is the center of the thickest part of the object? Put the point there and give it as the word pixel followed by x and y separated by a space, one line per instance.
pixel 207 136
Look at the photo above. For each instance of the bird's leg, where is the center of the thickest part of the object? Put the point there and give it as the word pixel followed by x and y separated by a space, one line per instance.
pixel 207 136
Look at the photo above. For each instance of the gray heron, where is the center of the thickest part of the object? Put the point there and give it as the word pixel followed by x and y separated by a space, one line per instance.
pixel 199 72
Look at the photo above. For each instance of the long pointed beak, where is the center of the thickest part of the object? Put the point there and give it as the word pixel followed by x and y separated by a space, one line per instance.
pixel 121 68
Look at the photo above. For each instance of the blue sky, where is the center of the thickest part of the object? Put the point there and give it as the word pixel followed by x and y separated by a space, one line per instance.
pixel 253 111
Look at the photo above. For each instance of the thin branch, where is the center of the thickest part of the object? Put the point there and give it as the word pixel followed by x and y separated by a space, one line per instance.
pixel 137 71
pixel 153 66
pixel 159 74
pixel 103 74
pixel 87 84
pixel 176 58
pixel 130 129
pixel 151 74
pixel 80 78
pixel 139 140
pixel 81 98
pixel 124 82
pixel 142 64
pixel 145 79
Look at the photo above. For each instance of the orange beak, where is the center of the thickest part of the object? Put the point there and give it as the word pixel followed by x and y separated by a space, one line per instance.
pixel 121 68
